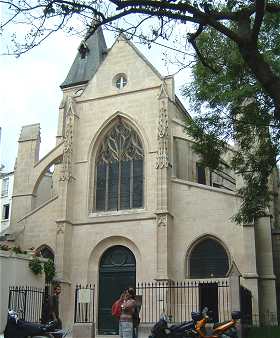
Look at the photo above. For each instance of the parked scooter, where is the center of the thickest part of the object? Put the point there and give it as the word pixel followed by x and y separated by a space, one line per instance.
pixel 225 329
pixel 18 328
pixel 185 329
pixel 196 328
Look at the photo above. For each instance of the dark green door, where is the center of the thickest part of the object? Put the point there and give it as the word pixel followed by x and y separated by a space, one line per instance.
pixel 117 272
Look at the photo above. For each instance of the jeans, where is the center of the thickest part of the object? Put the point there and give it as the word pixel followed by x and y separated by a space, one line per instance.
pixel 126 329
pixel 135 332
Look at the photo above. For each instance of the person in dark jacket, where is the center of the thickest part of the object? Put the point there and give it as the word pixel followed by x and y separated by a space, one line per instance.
pixel 53 305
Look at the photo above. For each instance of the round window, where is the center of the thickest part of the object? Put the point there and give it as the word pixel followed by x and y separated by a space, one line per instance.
pixel 120 81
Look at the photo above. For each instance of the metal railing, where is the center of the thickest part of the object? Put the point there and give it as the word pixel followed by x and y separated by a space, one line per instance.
pixel 27 301
pixel 178 299
pixel 84 304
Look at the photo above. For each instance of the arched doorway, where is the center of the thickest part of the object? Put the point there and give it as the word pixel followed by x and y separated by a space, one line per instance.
pixel 117 271
pixel 208 259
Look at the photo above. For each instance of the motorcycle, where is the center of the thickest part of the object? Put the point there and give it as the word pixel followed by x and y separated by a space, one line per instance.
pixel 19 328
pixel 226 329
pixel 185 329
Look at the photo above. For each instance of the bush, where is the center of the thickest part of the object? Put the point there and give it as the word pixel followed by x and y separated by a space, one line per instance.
pixel 35 266
pixel 264 332
pixel 4 247
pixel 17 250
pixel 49 269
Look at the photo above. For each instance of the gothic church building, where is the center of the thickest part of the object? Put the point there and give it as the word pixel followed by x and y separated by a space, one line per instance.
pixel 128 200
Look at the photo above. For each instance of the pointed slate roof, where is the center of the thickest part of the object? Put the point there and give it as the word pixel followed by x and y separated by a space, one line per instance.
pixel 90 55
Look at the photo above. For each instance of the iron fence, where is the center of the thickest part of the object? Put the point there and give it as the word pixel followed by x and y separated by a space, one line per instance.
pixel 27 301
pixel 84 304
pixel 178 299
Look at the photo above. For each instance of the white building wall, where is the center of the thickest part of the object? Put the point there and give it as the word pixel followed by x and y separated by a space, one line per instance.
pixel 6 199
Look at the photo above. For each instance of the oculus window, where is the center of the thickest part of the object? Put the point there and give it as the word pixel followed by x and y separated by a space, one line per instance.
pixel 120 81
pixel 119 170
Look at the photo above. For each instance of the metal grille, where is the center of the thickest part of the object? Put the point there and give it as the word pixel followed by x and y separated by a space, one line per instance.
pixel 178 299
pixel 27 301
pixel 84 304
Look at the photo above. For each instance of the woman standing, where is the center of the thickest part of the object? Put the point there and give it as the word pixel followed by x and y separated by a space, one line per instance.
pixel 126 318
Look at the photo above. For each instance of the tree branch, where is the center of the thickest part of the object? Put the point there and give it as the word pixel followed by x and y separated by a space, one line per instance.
pixel 175 10
pixel 260 9
pixel 273 8
pixel 192 41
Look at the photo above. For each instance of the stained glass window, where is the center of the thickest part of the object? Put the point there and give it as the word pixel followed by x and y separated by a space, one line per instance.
pixel 119 170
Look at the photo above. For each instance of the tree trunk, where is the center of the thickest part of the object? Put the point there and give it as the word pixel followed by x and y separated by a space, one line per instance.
pixel 264 74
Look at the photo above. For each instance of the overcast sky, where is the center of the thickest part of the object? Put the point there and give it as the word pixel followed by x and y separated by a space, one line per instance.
pixel 30 93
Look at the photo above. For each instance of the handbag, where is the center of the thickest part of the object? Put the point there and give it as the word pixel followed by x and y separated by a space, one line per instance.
pixel 116 308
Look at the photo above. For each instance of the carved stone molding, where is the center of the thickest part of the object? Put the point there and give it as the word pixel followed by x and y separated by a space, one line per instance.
pixel 162 220
pixel 60 229
pixel 68 141
pixel 162 155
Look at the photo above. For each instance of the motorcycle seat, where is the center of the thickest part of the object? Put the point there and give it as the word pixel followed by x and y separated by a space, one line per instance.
pixel 219 324
pixel 179 329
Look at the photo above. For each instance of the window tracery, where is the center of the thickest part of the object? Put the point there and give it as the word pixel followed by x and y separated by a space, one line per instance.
pixel 119 170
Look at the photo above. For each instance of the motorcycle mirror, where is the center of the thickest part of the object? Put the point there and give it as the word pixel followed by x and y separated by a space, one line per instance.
pixel 205 310
pixel 236 315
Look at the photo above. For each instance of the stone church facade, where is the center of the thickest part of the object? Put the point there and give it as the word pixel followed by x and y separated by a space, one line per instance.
pixel 129 200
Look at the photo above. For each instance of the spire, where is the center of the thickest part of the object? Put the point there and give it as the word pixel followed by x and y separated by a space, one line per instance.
pixel 90 55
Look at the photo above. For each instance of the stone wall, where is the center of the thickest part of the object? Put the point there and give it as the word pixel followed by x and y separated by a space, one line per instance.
pixel 14 271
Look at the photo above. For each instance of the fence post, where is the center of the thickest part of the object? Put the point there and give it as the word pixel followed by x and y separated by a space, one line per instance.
pixel 24 302
pixel 84 326
pixel 234 283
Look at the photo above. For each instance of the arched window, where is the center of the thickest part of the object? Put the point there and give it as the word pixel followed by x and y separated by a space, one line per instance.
pixel 119 170
pixel 208 259
pixel 45 252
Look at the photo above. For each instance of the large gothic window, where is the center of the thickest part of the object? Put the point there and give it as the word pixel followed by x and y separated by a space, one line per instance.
pixel 119 170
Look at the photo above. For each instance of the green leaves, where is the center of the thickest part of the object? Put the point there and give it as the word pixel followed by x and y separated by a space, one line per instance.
pixel 49 269
pixel 36 266
pixel 231 106
pixel 204 130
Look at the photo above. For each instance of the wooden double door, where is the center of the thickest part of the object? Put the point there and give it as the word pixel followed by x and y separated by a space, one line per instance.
pixel 117 271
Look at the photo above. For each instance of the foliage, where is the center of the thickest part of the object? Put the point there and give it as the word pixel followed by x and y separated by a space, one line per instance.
pixel 232 106
pixel 17 250
pixel 4 247
pixel 36 266
pixel 264 332
pixel 49 269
